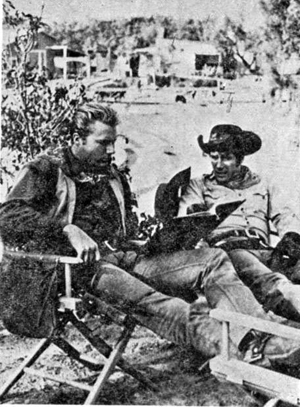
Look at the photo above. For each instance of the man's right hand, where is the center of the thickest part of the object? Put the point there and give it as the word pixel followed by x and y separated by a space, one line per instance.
pixel 86 248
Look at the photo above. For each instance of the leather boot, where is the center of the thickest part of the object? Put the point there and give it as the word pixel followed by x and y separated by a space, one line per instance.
pixel 266 350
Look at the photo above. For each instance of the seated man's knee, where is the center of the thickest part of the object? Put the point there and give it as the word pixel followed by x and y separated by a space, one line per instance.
pixel 247 263
pixel 219 268
pixel 243 257
pixel 114 285
pixel 294 273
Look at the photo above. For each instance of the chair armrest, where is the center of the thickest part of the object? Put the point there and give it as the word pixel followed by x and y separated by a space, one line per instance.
pixel 66 302
pixel 47 258
pixel 256 323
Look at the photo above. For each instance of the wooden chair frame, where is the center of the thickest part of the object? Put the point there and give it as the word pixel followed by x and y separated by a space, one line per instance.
pixel 275 385
pixel 68 307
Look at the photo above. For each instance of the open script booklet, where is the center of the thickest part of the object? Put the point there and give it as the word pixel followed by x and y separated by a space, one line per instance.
pixel 184 232
pixel 218 211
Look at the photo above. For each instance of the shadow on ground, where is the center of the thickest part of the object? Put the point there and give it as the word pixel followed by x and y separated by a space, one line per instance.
pixel 174 370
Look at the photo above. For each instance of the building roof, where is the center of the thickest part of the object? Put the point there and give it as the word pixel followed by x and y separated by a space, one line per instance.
pixel 70 52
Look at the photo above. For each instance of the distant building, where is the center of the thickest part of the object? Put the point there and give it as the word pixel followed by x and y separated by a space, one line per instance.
pixel 67 63
pixel 122 66
pixel 181 58
pixel 189 57
pixel 101 57
pixel 58 60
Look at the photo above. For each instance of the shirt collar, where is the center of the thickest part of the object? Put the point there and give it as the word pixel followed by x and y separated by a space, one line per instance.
pixel 244 179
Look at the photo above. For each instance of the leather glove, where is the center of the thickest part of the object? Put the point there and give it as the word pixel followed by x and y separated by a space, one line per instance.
pixel 287 251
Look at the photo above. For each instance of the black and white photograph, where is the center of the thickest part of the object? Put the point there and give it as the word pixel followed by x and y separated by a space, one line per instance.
pixel 150 202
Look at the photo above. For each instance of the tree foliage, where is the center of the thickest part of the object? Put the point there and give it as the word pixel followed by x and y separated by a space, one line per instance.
pixel 11 16
pixel 128 34
pixel 283 24
pixel 33 112
pixel 282 38
pixel 132 33
pixel 116 35
pixel 235 41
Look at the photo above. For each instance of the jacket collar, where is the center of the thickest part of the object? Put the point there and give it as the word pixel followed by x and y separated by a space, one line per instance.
pixel 72 167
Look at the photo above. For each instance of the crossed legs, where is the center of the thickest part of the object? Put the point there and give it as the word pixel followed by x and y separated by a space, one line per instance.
pixel 162 292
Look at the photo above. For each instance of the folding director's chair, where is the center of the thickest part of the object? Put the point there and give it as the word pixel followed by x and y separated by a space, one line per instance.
pixel 68 307
pixel 277 386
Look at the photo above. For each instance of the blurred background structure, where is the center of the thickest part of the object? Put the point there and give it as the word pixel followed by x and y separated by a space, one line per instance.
pixel 178 67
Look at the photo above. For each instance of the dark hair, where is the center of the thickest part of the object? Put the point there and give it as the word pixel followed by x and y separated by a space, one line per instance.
pixel 89 113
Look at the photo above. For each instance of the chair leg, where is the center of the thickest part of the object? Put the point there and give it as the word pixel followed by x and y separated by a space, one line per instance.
pixel 41 347
pixel 106 350
pixel 110 365
pixel 67 348
pixel 113 356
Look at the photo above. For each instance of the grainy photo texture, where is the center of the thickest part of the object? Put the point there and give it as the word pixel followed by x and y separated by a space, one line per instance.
pixel 150 202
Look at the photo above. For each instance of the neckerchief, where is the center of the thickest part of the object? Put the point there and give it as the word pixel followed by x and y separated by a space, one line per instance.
pixel 72 167
pixel 93 178
pixel 243 179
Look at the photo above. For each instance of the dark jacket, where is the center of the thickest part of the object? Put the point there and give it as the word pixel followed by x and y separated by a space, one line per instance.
pixel 43 200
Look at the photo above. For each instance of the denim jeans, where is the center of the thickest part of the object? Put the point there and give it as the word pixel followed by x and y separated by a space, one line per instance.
pixel 252 267
pixel 163 293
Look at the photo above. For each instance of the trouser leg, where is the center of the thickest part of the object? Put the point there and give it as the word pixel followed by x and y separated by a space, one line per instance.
pixel 207 271
pixel 294 273
pixel 272 289
pixel 169 317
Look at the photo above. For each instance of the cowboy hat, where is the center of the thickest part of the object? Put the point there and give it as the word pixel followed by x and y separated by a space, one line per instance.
pixel 224 137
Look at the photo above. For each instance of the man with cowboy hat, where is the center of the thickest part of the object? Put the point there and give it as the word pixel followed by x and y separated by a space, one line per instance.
pixel 245 234
pixel 74 200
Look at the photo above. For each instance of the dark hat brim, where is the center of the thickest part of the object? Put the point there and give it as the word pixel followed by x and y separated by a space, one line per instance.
pixel 205 147
pixel 251 142
pixel 246 142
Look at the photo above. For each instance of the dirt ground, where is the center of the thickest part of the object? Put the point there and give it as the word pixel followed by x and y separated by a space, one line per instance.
pixel 163 142
pixel 175 372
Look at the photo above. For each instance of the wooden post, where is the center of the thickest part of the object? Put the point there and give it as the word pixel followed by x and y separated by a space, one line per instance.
pixel 88 67
pixel 68 280
pixel 225 340
pixel 65 63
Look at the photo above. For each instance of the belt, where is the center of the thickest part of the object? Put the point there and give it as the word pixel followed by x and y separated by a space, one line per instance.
pixel 239 238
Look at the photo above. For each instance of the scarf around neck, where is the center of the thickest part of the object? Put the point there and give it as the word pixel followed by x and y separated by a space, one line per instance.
pixel 72 167
pixel 242 180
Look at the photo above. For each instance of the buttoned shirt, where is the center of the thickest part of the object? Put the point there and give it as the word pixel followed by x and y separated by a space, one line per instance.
pixel 263 203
